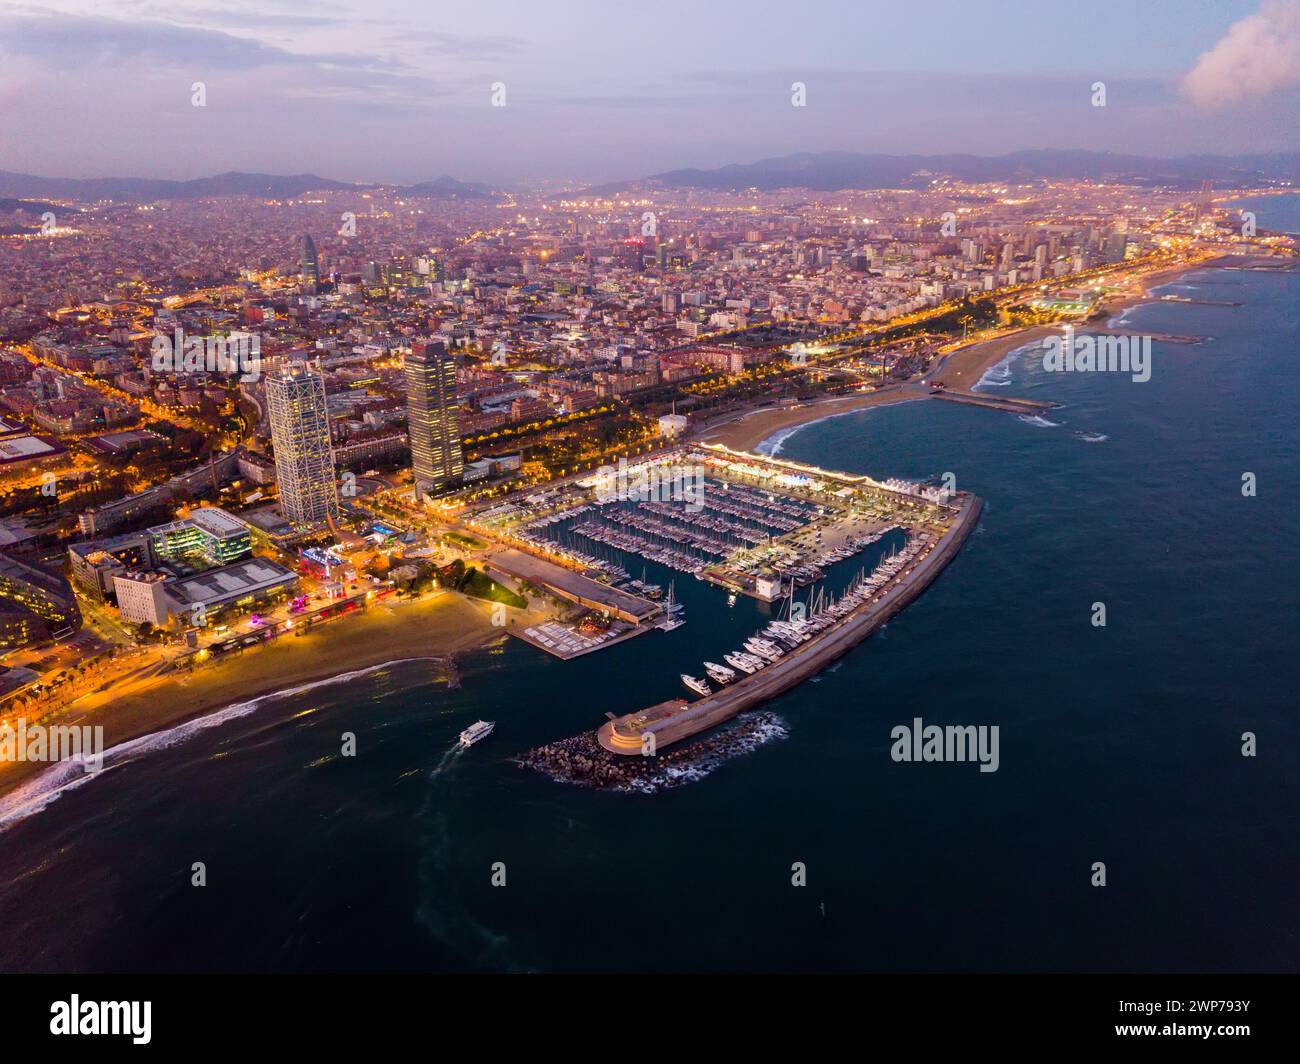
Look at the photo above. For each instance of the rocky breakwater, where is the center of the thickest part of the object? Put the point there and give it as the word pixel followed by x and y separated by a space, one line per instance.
pixel 583 761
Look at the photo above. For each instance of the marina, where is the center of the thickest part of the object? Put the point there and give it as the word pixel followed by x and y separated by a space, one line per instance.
pixel 830 633
pixel 751 525
pixel 761 527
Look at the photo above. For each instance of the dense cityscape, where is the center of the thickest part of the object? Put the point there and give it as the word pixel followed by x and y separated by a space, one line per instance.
pixel 207 446
pixel 696 490
pixel 176 497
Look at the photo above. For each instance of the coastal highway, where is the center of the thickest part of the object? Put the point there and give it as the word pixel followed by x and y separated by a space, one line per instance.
pixel 674 720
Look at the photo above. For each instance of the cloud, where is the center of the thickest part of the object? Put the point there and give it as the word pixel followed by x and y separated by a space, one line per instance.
pixel 73 42
pixel 1259 55
pixel 464 46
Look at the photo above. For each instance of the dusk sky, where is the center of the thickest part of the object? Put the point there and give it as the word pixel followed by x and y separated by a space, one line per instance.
pixel 400 90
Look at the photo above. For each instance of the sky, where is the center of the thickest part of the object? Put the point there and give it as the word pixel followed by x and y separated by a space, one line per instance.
pixel 404 90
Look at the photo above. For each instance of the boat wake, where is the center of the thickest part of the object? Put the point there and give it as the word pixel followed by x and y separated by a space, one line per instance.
pixel 38 794
pixel 448 760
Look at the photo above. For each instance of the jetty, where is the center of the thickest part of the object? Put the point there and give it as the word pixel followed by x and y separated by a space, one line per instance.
pixel 672 721
pixel 1032 407
pixel 1202 302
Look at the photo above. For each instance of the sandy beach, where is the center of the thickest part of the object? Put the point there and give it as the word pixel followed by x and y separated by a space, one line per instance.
pixel 748 430
pixel 434 627
pixel 959 369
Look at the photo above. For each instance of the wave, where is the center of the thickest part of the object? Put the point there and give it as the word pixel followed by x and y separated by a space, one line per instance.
pixel 750 732
pixel 37 794
pixel 998 375
pixel 775 444
pixel 1038 421
pixel 1092 437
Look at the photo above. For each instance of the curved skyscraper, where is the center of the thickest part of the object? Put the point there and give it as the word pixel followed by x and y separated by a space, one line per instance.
pixel 309 266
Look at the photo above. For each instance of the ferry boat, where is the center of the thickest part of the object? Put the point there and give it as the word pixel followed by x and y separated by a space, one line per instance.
pixel 719 673
pixel 476 732
pixel 700 687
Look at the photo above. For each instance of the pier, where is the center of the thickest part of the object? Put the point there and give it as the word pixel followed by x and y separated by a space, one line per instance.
pixel 1031 407
pixel 675 720
pixel 1202 302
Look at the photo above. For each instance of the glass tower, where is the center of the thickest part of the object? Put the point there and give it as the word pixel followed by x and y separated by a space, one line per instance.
pixel 300 437
pixel 436 458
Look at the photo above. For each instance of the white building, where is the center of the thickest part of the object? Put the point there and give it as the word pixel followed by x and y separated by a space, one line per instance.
pixel 672 425
pixel 142 597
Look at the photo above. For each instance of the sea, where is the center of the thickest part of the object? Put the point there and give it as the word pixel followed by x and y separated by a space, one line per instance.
pixel 1124 829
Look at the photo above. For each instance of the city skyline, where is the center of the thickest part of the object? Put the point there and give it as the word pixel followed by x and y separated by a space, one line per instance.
pixel 814 481
pixel 360 99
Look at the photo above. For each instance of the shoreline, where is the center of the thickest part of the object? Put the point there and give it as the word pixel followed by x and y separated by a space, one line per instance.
pixel 959 369
pixel 408 631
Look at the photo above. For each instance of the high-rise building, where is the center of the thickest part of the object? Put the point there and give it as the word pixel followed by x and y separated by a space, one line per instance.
pixel 300 437
pixel 310 264
pixel 436 458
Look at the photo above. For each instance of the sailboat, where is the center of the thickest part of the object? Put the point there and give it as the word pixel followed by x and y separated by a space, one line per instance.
pixel 672 619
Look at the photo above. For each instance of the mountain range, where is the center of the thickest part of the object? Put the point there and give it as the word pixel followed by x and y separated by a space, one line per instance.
pixel 144 190
pixel 816 171
pixel 829 171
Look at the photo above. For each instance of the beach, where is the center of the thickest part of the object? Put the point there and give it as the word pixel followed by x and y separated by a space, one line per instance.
pixel 750 429
pixel 959 369
pixel 432 627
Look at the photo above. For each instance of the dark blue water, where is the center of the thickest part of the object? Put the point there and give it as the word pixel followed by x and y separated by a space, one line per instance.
pixel 1279 214
pixel 1119 744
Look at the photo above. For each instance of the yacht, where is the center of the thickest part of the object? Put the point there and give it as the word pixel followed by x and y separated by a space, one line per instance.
pixel 719 673
pixel 477 731
pixel 743 662
pixel 766 652
pixel 700 687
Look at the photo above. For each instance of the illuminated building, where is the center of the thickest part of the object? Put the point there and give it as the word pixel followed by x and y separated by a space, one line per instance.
pixel 35 604
pixel 300 438
pixel 310 264
pixel 436 459
pixel 209 535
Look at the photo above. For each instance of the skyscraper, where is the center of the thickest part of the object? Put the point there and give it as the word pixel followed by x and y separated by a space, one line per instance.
pixel 310 264
pixel 436 459
pixel 300 436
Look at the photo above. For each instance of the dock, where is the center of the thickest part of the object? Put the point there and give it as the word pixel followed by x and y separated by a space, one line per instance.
pixel 1201 302
pixel 1031 407
pixel 672 721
